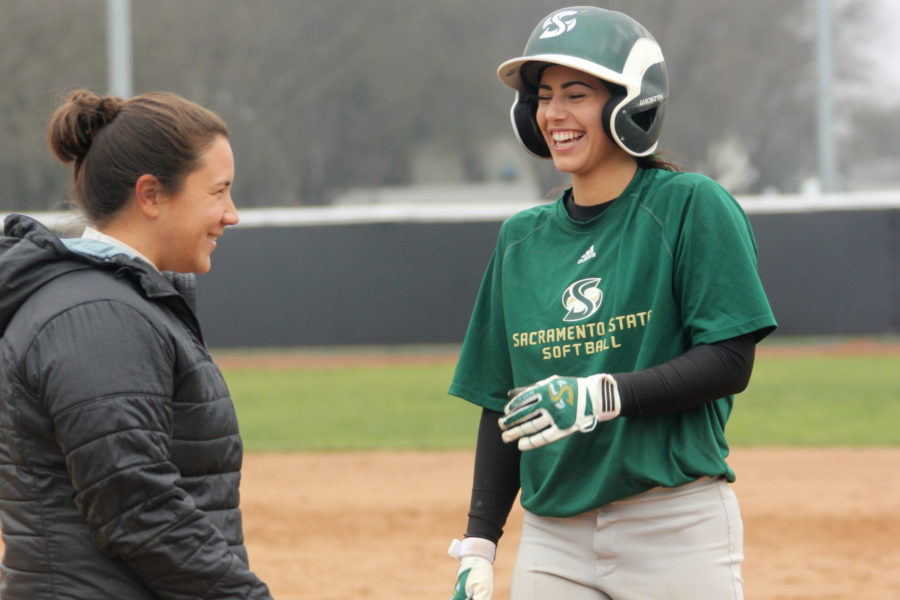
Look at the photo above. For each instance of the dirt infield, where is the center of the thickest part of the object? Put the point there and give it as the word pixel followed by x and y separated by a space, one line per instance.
pixel 820 523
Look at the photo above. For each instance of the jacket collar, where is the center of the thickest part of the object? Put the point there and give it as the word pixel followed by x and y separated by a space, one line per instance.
pixel 31 256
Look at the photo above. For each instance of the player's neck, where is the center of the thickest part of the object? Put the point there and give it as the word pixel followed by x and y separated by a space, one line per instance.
pixel 604 183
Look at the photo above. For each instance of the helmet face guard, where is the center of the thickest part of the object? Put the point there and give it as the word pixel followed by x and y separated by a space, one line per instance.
pixel 609 45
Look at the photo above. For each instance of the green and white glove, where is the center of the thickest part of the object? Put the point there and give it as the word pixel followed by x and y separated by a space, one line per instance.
pixel 475 577
pixel 556 407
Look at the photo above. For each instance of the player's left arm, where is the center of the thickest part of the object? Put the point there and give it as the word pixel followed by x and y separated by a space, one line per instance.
pixel 558 407
pixel 702 374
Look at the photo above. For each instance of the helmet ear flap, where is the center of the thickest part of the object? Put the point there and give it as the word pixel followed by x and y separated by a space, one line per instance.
pixel 635 124
pixel 522 114
pixel 617 94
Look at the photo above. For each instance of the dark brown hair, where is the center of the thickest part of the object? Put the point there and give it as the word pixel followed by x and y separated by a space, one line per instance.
pixel 656 161
pixel 112 142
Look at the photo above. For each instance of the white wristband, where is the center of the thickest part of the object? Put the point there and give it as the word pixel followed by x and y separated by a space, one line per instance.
pixel 473 546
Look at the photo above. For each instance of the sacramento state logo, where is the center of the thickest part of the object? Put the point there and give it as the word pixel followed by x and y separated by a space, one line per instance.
pixel 582 299
pixel 557 23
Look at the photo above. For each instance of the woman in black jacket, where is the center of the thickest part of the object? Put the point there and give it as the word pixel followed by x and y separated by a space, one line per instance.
pixel 120 454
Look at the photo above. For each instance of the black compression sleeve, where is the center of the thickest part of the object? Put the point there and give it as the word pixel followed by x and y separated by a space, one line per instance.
pixel 496 480
pixel 702 374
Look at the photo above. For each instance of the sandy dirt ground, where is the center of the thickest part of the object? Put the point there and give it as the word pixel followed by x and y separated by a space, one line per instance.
pixel 819 523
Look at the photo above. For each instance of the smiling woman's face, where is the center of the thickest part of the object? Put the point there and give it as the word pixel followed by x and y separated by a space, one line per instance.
pixel 569 114
pixel 192 219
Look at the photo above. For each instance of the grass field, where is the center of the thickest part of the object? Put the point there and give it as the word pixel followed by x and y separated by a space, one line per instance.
pixel 350 408
pixel 819 400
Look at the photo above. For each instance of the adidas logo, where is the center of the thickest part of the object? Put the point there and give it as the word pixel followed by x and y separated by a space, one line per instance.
pixel 587 255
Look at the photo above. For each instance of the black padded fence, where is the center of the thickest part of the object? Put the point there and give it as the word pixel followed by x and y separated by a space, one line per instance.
pixel 829 271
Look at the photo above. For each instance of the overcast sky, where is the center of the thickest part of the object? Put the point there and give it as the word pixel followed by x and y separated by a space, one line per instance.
pixel 886 51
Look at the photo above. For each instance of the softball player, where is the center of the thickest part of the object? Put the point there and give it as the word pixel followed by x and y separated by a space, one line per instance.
pixel 611 331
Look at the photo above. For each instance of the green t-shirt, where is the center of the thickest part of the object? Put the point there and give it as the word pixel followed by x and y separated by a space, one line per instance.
pixel 671 264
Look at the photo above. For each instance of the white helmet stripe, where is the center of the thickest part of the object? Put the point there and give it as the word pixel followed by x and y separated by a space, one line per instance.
pixel 644 54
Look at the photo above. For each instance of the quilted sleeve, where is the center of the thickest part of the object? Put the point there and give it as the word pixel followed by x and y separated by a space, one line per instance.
pixel 105 374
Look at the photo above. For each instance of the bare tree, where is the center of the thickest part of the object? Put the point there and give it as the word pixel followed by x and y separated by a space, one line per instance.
pixel 321 97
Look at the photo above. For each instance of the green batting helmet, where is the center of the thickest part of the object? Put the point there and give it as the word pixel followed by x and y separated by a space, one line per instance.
pixel 609 45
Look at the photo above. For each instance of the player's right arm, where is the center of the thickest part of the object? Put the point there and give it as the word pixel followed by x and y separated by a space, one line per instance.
pixel 494 488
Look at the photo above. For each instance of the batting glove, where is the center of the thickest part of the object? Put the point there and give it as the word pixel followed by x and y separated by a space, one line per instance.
pixel 475 577
pixel 557 407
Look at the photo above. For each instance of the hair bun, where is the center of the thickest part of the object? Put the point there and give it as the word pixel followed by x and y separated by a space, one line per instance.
pixel 108 108
pixel 75 123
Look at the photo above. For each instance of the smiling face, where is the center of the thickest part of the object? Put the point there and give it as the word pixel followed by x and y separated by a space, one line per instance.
pixel 569 114
pixel 192 219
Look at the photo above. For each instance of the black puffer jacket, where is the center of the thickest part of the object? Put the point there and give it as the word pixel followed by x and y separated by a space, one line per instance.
pixel 119 448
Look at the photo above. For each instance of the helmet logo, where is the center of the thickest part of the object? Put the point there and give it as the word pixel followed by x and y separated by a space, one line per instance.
pixel 650 100
pixel 557 24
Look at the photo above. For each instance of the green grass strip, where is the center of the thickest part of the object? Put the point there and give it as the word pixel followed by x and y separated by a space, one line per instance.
pixel 808 400
pixel 820 400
